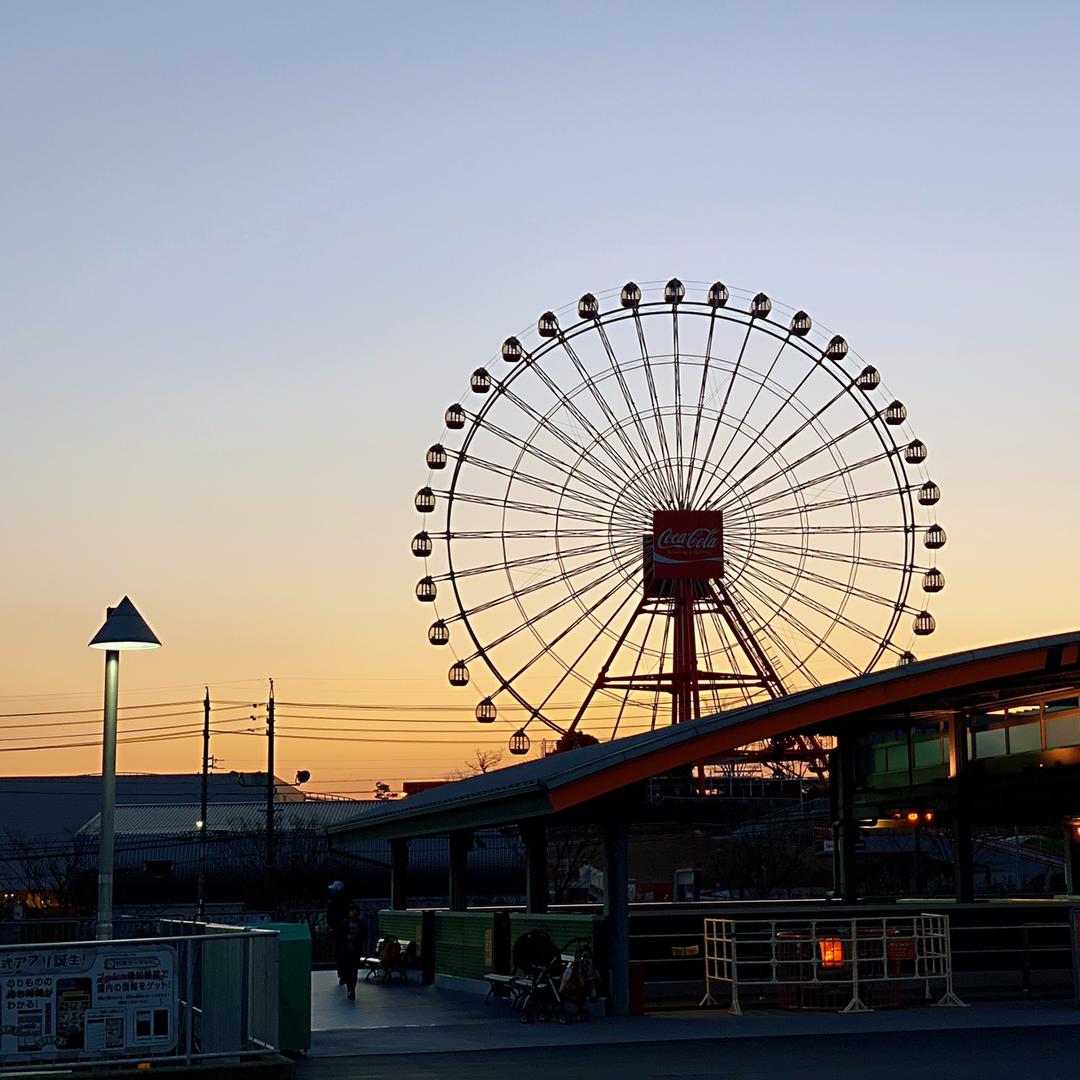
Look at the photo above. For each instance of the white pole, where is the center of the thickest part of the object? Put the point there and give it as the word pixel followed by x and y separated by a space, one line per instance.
pixel 108 799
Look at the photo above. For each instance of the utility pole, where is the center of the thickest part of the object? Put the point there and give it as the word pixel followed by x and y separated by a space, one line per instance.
pixel 270 788
pixel 204 804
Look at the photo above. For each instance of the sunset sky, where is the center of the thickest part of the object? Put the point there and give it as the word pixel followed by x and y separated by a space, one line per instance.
pixel 252 251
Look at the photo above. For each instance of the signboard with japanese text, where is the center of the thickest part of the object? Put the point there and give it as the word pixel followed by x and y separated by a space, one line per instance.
pixel 80 1001
pixel 687 544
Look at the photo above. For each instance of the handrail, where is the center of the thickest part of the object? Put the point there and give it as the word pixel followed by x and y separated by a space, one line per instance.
pixel 37 946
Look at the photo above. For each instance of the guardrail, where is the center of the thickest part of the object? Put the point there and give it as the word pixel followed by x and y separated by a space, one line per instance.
pixel 850 965
pixel 206 992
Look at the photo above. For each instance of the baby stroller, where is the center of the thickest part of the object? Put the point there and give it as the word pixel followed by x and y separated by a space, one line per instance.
pixel 577 986
pixel 540 963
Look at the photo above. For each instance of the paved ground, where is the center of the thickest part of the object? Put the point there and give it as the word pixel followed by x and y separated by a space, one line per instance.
pixel 426 1030
pixel 1003 1054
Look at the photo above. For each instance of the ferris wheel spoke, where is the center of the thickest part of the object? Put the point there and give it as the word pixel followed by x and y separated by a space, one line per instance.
pixel 536 559
pixel 634 672
pixel 814 418
pixel 613 421
pixel 723 634
pixel 764 632
pixel 799 550
pixel 847 587
pixel 566 402
pixel 707 652
pixel 634 412
pixel 585 614
pixel 846 469
pixel 743 420
pixel 812 507
pixel 572 668
pixel 534 620
pixel 508 472
pixel 719 420
pixel 525 507
pixel 784 615
pixel 815 605
pixel 829 530
pixel 787 403
pixel 657 692
pixel 679 466
pixel 603 487
pixel 700 412
pixel 523 534
pixel 562 577
pixel 780 645
pixel 582 453
pixel 665 453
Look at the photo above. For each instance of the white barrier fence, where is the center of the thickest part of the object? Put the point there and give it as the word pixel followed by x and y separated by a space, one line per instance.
pixel 847 965
pixel 206 993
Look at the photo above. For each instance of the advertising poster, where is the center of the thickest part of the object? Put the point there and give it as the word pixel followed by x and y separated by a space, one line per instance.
pixel 85 1002
pixel 687 544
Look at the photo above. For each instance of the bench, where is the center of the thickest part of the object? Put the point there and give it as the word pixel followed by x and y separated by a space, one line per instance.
pixel 511 986
pixel 388 961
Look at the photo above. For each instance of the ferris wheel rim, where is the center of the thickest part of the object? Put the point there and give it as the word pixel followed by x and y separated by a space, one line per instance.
pixel 904 486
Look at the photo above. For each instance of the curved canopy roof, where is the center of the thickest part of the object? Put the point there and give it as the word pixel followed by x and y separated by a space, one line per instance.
pixel 562 781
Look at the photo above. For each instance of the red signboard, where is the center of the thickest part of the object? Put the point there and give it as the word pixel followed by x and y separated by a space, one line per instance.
pixel 688 544
pixel 900 950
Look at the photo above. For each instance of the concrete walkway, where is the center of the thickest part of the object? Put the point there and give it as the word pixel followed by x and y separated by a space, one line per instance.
pixel 396 1019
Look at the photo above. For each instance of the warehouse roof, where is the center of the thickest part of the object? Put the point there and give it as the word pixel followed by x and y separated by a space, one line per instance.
pixel 561 781
pixel 234 818
pixel 34 807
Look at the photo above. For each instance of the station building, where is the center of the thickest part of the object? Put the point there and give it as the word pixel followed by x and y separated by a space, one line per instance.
pixel 984 737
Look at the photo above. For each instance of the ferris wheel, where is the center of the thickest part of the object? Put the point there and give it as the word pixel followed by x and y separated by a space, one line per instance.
pixel 665 502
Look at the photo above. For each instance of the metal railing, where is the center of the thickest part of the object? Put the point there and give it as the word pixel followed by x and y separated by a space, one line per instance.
pixel 849 965
pixel 196 992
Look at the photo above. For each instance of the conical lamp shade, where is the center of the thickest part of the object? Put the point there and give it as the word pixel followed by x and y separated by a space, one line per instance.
pixel 125 628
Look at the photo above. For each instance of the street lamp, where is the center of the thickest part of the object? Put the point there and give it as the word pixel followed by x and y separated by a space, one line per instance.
pixel 124 629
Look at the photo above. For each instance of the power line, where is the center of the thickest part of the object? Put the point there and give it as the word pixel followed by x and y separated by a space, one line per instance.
pixel 69 712
pixel 96 720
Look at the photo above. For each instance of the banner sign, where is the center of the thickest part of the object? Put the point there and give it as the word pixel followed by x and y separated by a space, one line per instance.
pixel 688 544
pixel 84 1002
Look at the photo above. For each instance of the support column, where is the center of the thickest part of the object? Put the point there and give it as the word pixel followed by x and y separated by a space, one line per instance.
pixel 617 913
pixel 844 827
pixel 1072 858
pixel 963 857
pixel 534 836
pixel 399 874
pixel 460 846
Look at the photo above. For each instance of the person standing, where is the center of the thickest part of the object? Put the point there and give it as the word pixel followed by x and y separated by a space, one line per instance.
pixel 355 940
pixel 337 914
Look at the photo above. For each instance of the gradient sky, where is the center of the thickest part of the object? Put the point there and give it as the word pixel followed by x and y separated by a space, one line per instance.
pixel 251 251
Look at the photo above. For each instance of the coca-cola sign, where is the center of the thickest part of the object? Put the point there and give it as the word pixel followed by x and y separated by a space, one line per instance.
pixel 688 544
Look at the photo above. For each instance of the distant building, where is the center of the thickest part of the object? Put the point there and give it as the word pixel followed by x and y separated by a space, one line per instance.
pixel 40 815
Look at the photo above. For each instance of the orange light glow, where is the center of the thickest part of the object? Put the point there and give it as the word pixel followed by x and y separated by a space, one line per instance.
pixel 913 816
pixel 928 816
pixel 832 952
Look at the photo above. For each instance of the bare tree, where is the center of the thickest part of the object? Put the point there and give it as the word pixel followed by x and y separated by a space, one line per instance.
pixel 51 869
pixel 570 850
pixel 482 761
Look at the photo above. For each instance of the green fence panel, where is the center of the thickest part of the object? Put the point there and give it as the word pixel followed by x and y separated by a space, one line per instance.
pixel 464 943
pixel 294 984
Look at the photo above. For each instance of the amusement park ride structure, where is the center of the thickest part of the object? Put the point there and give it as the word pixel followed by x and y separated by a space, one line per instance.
pixel 677 504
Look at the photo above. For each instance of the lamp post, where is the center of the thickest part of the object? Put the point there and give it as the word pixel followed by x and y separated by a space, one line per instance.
pixel 124 629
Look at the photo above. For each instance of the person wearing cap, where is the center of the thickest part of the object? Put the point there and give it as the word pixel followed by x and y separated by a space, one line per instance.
pixel 337 914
